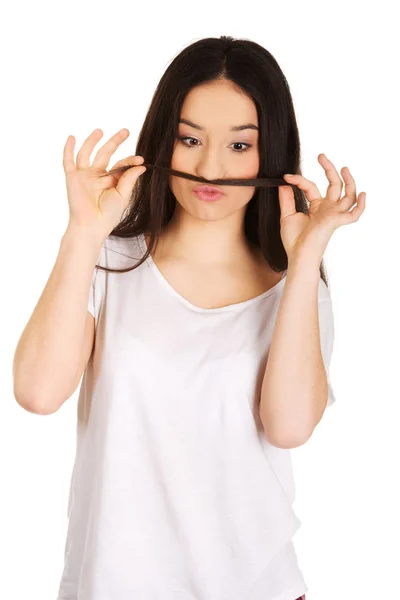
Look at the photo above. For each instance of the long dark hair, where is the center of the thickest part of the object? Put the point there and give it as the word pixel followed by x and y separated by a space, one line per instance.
pixel 256 73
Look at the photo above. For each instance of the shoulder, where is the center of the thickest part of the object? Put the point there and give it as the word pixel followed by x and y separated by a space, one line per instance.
pixel 127 246
pixel 117 252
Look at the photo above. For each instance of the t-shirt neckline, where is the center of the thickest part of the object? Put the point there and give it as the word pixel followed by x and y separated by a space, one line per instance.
pixel 230 307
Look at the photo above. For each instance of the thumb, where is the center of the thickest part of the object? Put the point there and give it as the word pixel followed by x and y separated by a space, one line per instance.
pixel 128 180
pixel 286 201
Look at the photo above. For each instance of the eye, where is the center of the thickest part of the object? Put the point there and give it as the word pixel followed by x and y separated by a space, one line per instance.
pixel 248 146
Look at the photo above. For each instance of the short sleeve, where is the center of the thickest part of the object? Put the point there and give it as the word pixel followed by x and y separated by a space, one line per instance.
pixel 326 332
pixel 96 291
pixel 91 307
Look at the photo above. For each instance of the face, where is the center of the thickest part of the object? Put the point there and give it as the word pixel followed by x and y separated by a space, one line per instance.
pixel 215 151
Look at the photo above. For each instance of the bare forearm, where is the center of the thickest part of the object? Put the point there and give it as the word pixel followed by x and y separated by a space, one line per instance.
pixel 46 356
pixel 295 390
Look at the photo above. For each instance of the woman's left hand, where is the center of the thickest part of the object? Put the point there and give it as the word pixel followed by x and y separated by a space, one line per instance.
pixel 308 235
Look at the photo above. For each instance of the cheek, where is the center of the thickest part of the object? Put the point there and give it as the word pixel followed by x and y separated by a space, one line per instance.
pixel 179 157
pixel 251 166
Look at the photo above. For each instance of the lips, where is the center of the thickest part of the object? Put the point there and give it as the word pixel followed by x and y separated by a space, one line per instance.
pixel 208 188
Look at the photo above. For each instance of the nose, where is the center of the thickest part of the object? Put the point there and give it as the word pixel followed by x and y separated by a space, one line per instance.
pixel 209 167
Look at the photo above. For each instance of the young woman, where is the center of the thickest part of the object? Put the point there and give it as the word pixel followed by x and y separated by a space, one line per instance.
pixel 207 344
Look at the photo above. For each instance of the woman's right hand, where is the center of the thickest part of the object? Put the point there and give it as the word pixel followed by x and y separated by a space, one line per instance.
pixel 97 201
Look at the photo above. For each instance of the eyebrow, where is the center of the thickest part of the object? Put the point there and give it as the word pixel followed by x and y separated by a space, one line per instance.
pixel 236 128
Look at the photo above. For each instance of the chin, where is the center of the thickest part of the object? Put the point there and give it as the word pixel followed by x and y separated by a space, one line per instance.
pixel 209 212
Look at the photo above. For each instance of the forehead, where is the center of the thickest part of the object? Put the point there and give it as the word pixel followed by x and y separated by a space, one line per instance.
pixel 218 105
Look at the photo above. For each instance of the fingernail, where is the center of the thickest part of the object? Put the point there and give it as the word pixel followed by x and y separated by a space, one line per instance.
pixel 289 175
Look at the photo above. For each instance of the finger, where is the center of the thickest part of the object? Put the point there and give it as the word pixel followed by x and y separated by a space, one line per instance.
pixel 353 215
pixel 130 160
pixel 308 187
pixel 128 181
pixel 83 156
pixel 104 153
pixel 334 189
pixel 68 155
pixel 350 197
pixel 287 202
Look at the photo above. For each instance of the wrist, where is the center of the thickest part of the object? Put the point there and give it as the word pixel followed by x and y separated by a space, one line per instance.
pixel 305 267
pixel 84 236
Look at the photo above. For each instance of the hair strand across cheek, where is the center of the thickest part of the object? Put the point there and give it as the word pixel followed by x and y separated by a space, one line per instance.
pixel 261 182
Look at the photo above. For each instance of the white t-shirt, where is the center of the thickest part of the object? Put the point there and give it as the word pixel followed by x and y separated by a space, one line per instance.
pixel 176 493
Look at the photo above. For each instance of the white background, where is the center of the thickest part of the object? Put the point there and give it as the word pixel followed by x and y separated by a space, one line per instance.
pixel 70 68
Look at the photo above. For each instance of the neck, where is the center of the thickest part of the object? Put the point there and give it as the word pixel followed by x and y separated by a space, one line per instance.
pixel 207 243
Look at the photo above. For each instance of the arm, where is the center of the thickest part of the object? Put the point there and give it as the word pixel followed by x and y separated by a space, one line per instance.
pixel 294 391
pixel 49 350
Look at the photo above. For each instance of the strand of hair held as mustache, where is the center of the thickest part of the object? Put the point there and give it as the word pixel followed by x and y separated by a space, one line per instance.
pixel 258 182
